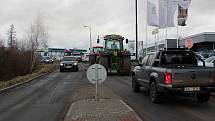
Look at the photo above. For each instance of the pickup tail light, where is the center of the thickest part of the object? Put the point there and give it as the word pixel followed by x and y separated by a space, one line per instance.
pixel 168 79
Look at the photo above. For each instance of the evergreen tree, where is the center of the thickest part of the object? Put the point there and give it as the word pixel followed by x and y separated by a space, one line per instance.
pixel 12 41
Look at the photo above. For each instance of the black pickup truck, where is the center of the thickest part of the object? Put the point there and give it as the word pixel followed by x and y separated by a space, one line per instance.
pixel 174 72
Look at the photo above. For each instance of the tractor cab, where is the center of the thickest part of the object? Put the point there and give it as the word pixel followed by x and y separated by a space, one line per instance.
pixel 97 49
pixel 113 42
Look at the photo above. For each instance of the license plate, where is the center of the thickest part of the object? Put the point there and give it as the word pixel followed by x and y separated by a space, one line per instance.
pixel 68 66
pixel 191 89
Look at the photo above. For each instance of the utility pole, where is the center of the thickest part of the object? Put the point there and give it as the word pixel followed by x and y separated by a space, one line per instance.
pixel 136 9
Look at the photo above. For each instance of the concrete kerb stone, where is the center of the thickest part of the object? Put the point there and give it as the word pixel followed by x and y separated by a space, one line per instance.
pixel 102 110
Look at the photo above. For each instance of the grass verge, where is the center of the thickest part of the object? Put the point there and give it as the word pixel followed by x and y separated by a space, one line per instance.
pixel 41 69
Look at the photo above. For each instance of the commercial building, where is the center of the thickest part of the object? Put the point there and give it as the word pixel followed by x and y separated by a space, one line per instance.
pixel 203 43
pixel 58 53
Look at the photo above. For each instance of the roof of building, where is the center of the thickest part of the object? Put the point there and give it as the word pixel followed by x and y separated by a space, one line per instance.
pixel 200 34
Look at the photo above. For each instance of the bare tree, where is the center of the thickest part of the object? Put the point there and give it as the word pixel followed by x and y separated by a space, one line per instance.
pixel 37 37
pixel 12 41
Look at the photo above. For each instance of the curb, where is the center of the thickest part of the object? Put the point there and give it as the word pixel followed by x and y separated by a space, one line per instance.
pixel 22 83
pixel 132 110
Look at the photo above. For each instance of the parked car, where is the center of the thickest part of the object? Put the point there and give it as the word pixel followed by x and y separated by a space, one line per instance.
pixel 174 72
pixel 47 60
pixel 69 63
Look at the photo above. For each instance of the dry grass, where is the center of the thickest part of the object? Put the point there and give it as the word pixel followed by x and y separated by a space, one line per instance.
pixel 41 69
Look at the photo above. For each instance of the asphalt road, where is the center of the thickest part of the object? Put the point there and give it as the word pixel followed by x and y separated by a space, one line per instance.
pixel 173 109
pixel 48 97
pixel 43 99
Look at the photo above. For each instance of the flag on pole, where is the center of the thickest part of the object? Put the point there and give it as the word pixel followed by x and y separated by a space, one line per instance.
pixel 167 9
pixel 183 6
pixel 152 17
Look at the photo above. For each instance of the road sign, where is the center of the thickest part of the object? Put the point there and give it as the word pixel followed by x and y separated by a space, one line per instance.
pixel 96 72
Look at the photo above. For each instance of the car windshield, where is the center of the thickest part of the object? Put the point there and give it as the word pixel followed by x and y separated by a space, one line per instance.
pixel 178 57
pixel 47 57
pixel 69 59
pixel 210 59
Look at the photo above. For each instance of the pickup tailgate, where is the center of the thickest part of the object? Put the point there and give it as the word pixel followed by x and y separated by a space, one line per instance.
pixel 187 77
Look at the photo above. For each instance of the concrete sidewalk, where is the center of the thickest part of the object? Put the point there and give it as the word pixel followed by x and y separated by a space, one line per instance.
pixel 110 107
pixel 102 110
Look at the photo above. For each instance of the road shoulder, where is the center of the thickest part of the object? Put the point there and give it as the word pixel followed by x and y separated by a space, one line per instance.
pixel 18 81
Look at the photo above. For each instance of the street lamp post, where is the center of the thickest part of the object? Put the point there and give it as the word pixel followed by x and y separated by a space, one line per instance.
pixel 136 29
pixel 90 37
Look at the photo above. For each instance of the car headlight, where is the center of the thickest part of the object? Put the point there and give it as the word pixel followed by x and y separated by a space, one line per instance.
pixel 75 64
pixel 61 64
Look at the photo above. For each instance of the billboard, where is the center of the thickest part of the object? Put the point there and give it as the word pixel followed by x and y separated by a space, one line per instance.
pixel 131 46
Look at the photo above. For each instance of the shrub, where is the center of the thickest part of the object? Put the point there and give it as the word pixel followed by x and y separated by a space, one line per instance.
pixel 14 62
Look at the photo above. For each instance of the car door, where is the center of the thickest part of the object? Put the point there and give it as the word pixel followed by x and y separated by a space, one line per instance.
pixel 147 71
pixel 140 71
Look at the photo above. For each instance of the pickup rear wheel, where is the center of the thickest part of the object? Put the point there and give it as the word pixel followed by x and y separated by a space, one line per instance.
pixel 154 94
pixel 203 98
pixel 135 85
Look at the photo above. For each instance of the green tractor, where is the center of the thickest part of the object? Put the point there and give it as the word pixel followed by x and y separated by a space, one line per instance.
pixel 114 58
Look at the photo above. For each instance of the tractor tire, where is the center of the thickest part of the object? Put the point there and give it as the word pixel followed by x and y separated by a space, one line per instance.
pixel 126 65
pixel 103 60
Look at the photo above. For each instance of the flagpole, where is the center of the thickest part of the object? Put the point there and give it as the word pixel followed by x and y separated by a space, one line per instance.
pixel 158 25
pixel 177 28
pixel 166 21
pixel 146 24
pixel 177 37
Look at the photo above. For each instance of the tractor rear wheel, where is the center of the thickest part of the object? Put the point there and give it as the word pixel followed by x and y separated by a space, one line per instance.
pixel 103 60
pixel 126 65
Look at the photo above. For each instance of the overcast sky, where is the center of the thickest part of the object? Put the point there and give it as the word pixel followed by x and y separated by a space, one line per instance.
pixel 65 19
